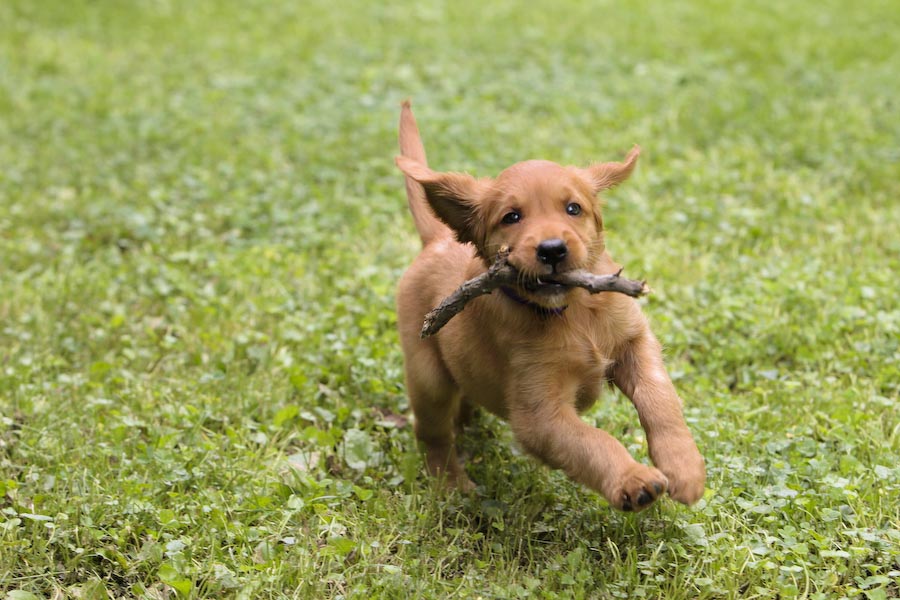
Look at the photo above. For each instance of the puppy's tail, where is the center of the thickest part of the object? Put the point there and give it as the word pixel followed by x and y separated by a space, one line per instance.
pixel 427 223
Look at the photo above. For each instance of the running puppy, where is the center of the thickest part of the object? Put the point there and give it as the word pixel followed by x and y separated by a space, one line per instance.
pixel 536 354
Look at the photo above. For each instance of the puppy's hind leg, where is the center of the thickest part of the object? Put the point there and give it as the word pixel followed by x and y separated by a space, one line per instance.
pixel 436 404
pixel 465 415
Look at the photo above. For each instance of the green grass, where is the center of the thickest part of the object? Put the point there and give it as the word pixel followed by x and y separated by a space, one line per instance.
pixel 201 229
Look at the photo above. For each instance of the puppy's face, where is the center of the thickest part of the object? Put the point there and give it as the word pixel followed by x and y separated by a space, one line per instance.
pixel 547 216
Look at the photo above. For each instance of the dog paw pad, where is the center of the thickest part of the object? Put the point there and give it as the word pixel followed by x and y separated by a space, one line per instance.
pixel 641 487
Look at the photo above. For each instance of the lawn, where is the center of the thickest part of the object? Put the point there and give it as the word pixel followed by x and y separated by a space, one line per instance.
pixel 201 229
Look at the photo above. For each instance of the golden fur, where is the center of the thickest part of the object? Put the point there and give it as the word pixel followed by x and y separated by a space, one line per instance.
pixel 535 369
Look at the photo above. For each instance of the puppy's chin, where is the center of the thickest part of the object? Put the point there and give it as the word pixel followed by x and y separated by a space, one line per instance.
pixel 549 295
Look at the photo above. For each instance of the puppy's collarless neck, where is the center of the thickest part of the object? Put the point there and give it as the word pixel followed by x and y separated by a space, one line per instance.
pixel 541 311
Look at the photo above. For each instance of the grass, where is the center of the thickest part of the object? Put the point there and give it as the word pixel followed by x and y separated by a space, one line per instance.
pixel 200 233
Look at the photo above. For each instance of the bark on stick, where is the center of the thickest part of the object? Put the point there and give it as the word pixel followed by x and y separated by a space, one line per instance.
pixel 502 273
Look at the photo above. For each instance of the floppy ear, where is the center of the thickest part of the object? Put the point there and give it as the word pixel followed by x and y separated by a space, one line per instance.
pixel 452 196
pixel 603 176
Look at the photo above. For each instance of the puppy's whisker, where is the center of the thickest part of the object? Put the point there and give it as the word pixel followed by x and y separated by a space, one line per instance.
pixel 525 276
pixel 520 278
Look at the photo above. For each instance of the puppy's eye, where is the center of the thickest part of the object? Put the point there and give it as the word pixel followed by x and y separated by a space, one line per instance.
pixel 511 218
pixel 573 208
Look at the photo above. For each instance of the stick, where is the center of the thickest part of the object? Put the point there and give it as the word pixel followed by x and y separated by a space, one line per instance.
pixel 502 273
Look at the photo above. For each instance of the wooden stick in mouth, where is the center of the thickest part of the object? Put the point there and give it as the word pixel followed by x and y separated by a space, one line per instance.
pixel 502 273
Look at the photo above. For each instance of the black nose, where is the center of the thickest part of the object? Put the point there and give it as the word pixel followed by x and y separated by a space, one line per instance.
pixel 552 251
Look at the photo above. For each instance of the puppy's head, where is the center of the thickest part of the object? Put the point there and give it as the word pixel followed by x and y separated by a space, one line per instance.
pixel 547 215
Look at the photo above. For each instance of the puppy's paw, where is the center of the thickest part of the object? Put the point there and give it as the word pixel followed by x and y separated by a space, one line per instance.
pixel 463 484
pixel 683 465
pixel 454 480
pixel 687 481
pixel 444 465
pixel 639 488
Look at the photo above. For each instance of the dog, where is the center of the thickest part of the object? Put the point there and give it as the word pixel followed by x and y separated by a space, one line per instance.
pixel 535 354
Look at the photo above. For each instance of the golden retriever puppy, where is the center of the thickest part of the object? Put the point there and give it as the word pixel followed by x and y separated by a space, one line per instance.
pixel 535 354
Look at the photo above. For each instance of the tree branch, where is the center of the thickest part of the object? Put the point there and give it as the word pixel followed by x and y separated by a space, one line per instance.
pixel 502 273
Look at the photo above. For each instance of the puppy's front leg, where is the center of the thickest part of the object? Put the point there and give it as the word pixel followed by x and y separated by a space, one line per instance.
pixel 641 375
pixel 546 424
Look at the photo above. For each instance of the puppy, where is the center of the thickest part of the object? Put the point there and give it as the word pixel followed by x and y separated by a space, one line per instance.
pixel 534 354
